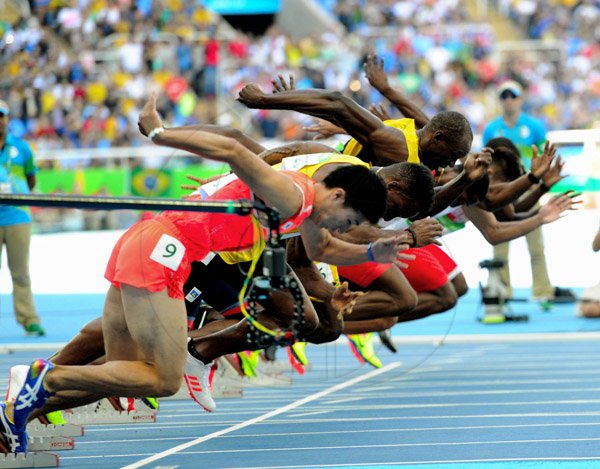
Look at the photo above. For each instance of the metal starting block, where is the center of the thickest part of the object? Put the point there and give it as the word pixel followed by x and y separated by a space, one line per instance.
pixel 38 429
pixel 51 443
pixel 103 413
pixel 31 459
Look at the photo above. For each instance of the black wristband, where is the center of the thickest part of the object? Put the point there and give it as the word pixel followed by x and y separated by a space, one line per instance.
pixel 543 187
pixel 533 178
pixel 414 236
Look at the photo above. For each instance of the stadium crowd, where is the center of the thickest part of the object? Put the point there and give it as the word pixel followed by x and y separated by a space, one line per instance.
pixel 76 76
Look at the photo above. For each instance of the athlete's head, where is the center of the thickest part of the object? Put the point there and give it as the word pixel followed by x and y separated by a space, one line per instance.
pixel 353 194
pixel 506 159
pixel 510 94
pixel 446 138
pixel 473 194
pixel 410 189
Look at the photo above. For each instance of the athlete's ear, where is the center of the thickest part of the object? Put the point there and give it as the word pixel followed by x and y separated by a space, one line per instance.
pixel 394 186
pixel 438 136
pixel 339 194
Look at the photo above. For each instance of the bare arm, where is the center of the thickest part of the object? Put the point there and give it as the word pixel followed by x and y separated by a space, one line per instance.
pixel 275 155
pixel 496 232
pixel 230 132
pixel 378 79
pixel 263 180
pixel 333 106
pixel 322 246
pixel 475 167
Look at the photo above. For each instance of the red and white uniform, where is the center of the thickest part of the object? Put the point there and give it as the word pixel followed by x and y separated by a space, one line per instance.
pixel 156 254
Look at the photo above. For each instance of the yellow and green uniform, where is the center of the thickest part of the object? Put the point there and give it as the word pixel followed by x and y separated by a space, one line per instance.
pixel 406 126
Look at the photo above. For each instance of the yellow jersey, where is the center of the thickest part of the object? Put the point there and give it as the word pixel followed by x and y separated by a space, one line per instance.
pixel 406 126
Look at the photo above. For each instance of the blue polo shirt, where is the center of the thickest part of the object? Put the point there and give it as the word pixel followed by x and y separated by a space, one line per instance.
pixel 527 131
pixel 16 163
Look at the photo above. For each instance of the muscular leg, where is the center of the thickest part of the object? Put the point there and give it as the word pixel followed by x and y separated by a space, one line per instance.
pixel 389 295
pixel 145 340
pixel 86 347
pixel 432 302
pixel 460 285
pixel 278 312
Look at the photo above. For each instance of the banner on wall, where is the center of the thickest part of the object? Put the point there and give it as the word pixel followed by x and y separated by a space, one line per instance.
pixel 144 182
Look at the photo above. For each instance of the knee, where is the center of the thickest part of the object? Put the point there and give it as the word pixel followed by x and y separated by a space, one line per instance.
pixel 446 300
pixel 168 383
pixel 405 302
pixel 381 324
pixel 460 285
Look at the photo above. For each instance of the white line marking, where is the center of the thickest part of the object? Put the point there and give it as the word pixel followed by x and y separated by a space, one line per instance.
pixel 337 432
pixel 304 414
pixel 273 413
pixel 441 461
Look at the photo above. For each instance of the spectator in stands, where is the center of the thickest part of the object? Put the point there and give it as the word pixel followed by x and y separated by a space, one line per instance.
pixel 17 174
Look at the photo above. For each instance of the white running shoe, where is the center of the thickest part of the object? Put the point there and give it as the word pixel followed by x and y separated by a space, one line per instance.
pixel 16 380
pixel 198 377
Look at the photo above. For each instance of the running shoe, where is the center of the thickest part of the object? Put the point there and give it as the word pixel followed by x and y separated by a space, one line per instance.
pixel 387 341
pixel 151 402
pixel 53 418
pixel 32 395
pixel 11 439
pixel 198 377
pixel 16 380
pixel 297 357
pixel 248 361
pixel 362 348
pixel 35 330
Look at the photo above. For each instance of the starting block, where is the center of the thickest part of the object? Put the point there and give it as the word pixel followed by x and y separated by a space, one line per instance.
pixel 31 459
pixel 68 430
pixel 103 412
pixel 51 443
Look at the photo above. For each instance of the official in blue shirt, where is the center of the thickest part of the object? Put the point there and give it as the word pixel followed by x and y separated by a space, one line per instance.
pixel 524 131
pixel 17 175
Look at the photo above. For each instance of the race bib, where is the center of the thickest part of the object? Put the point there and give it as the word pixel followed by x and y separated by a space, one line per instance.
pixel 329 273
pixel 168 251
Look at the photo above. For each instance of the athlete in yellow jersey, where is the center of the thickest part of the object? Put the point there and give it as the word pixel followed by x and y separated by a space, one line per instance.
pixel 444 139
pixel 404 125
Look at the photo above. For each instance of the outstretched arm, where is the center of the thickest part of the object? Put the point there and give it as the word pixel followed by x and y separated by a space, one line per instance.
pixel 496 232
pixel 263 180
pixel 230 132
pixel 378 80
pixel 322 246
pixel 475 167
pixel 388 143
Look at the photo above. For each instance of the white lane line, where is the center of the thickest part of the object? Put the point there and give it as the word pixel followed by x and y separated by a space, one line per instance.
pixel 440 461
pixel 304 414
pixel 337 432
pixel 273 413
pixel 354 419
